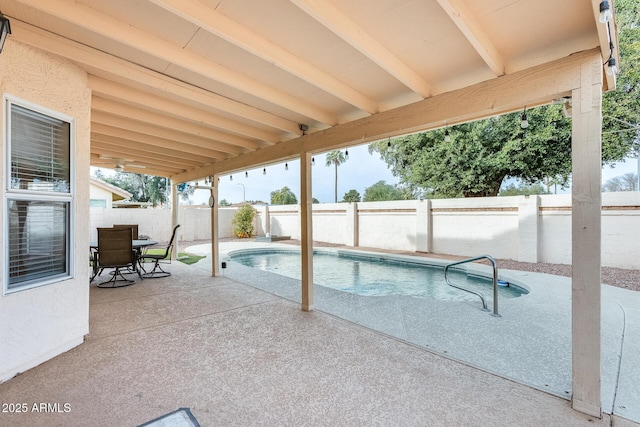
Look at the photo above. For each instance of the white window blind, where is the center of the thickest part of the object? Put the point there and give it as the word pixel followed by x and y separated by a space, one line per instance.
pixel 39 151
pixel 38 198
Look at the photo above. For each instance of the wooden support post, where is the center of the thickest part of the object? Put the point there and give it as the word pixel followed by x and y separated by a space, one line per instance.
pixel 586 235
pixel 306 231
pixel 215 237
pixel 174 219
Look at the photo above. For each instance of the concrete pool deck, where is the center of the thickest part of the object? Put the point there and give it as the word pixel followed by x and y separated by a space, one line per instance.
pixel 529 344
pixel 237 355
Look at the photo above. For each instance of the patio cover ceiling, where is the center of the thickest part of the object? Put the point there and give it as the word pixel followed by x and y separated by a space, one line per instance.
pixel 190 88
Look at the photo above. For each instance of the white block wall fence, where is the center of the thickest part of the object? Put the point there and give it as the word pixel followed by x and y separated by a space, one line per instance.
pixel 531 229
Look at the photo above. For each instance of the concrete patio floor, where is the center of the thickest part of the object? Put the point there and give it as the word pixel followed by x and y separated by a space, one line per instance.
pixel 237 355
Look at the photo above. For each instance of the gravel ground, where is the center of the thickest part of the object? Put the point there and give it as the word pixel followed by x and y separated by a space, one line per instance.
pixel 620 277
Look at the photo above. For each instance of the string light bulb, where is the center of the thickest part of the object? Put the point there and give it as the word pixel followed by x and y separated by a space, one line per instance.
pixel 313 161
pixel 246 174
pixel 264 171
pixel 612 68
pixel 286 166
pixel 447 137
pixel 605 12
pixel 389 143
pixel 346 154
pixel 230 177
pixel 524 123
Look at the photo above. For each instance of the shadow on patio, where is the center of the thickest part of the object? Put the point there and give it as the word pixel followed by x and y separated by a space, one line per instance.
pixel 236 355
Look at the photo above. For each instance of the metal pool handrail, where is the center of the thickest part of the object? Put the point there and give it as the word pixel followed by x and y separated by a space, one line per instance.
pixel 495 282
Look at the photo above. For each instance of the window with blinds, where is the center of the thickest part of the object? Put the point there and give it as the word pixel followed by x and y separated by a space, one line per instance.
pixel 38 197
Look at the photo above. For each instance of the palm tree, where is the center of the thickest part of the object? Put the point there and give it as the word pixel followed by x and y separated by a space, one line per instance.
pixel 335 158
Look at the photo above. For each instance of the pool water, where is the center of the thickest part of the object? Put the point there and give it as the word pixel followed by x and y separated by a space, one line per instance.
pixel 375 276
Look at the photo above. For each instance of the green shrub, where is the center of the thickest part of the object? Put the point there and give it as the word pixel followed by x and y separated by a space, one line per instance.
pixel 243 221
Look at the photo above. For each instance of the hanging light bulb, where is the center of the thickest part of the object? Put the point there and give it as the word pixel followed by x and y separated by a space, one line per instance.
pixel 612 69
pixel 230 177
pixel 605 12
pixel 218 179
pixel 346 154
pixel 524 123
pixel 264 171
pixel 313 161
pixel 447 137
pixel 246 174
pixel 286 166
pixel 389 143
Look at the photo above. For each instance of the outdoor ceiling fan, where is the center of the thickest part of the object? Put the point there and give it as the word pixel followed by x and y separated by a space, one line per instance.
pixel 117 164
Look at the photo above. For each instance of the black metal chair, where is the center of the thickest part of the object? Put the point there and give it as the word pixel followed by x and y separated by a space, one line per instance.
pixel 115 251
pixel 157 259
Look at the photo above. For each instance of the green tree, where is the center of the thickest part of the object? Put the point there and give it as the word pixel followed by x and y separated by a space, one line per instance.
pixel 523 190
pixel 381 191
pixel 243 221
pixel 479 155
pixel 482 154
pixel 621 108
pixel 626 182
pixel 335 158
pixel 224 202
pixel 143 188
pixel 351 196
pixel 283 196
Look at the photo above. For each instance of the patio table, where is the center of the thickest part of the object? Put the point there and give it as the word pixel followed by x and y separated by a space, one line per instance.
pixel 137 244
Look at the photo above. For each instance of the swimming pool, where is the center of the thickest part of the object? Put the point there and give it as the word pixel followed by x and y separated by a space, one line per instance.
pixel 375 276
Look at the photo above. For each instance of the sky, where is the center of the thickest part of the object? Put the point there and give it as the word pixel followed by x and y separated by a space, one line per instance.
pixel 359 172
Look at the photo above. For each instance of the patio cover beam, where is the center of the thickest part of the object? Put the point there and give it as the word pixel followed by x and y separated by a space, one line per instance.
pixel 223 27
pixel 535 86
pixel 82 16
pixel 118 70
pixel 466 23
pixel 352 33
pixel 123 122
pixel 160 105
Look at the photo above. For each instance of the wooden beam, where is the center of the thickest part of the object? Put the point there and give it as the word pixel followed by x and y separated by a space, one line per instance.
pixel 473 32
pixel 160 131
pixel 356 36
pixel 223 27
pixel 112 68
pixel 175 218
pixel 90 19
pixel 101 142
pixel 535 86
pixel 586 200
pixel 166 107
pixel 154 141
pixel 215 234
pixel 306 231
pixel 105 153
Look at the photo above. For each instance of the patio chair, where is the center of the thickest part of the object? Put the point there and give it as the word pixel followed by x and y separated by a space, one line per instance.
pixel 115 250
pixel 133 227
pixel 157 259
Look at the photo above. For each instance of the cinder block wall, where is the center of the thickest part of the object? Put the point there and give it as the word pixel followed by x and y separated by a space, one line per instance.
pixel 531 229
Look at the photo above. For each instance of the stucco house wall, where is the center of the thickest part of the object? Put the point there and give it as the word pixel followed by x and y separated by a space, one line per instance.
pixel 39 323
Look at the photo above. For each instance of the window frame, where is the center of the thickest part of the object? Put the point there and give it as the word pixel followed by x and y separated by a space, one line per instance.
pixel 9 194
